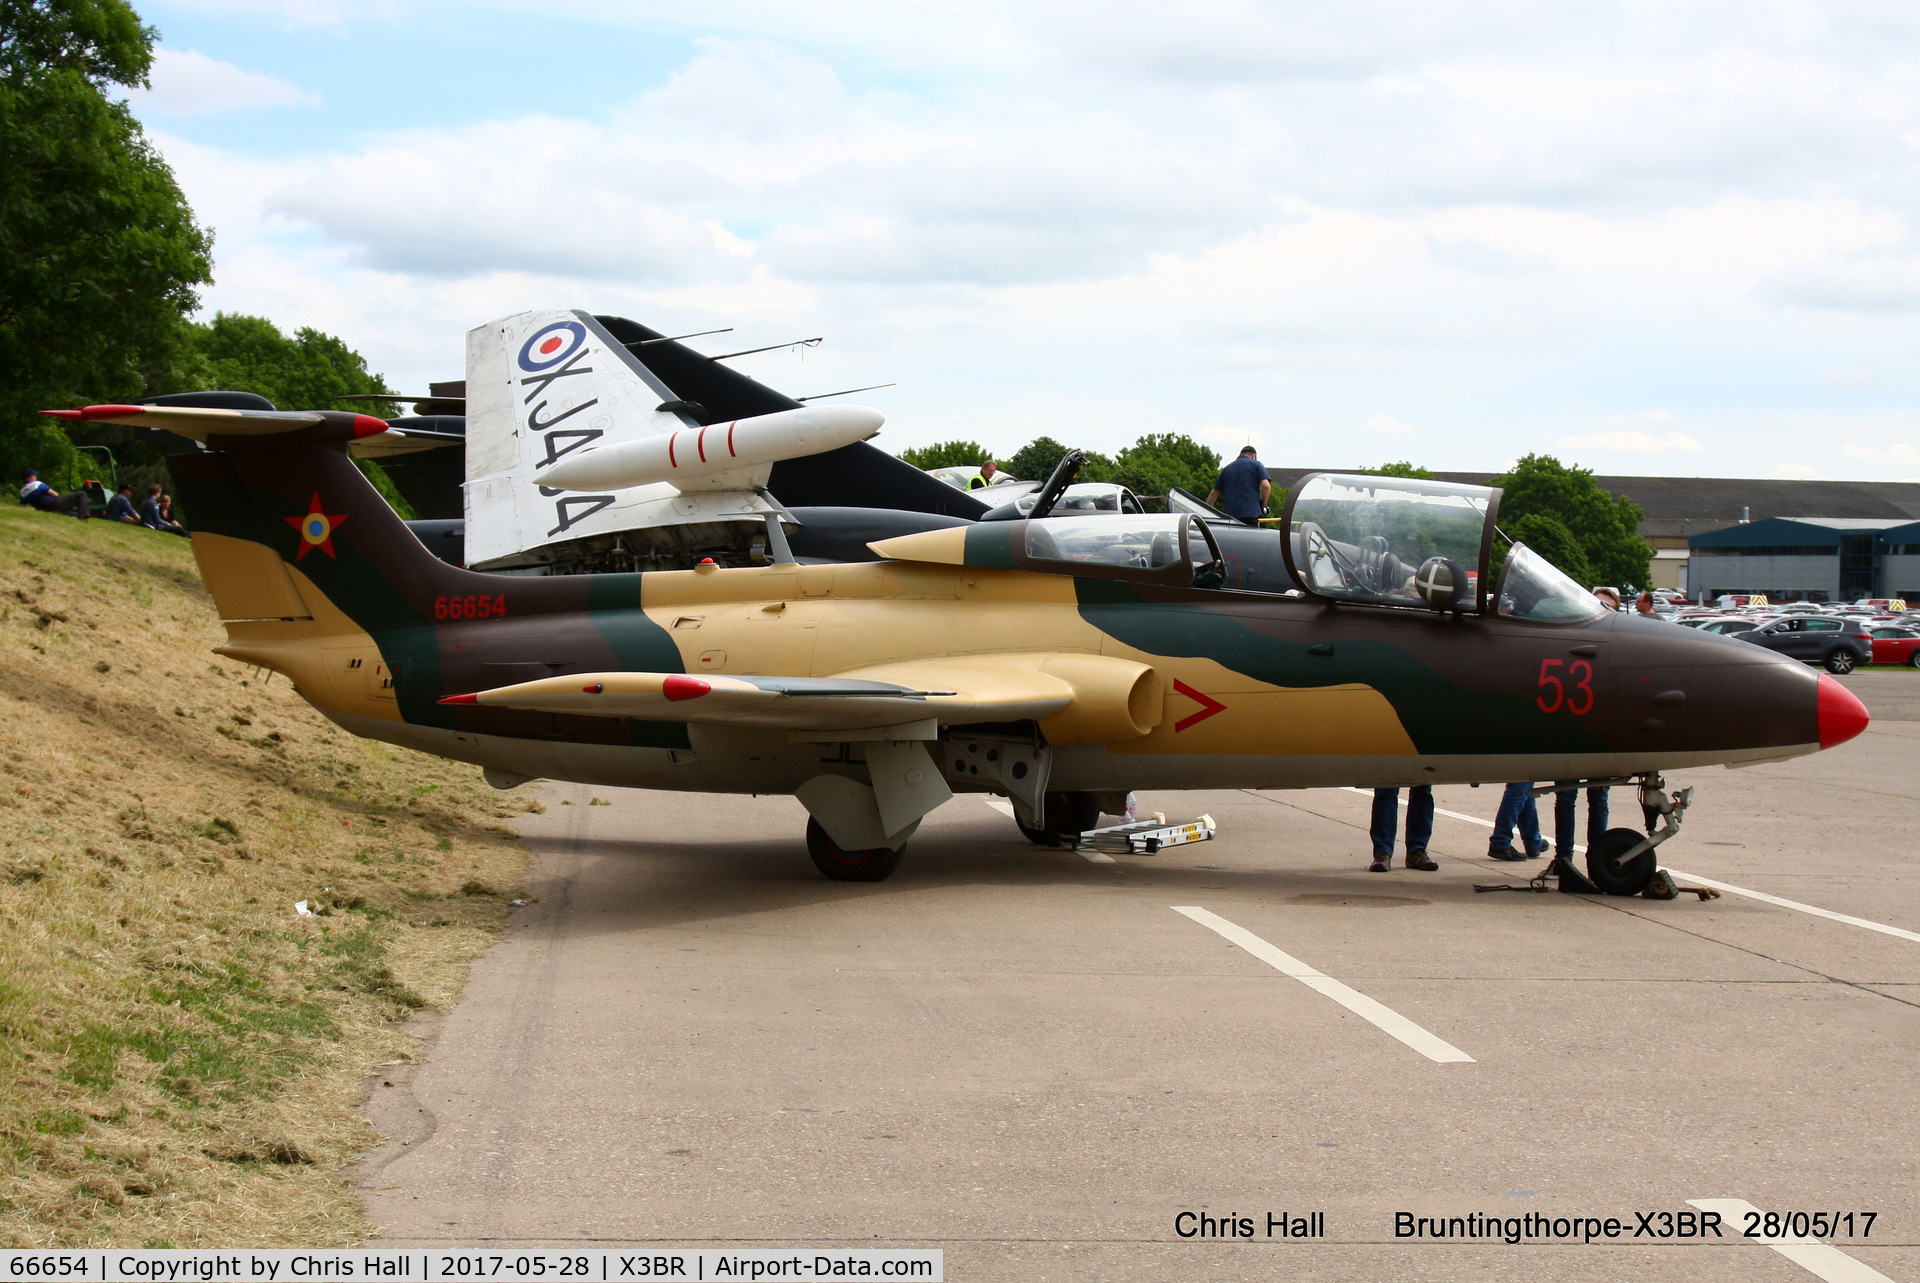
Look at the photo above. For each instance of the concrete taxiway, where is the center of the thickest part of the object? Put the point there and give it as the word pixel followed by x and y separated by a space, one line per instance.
pixel 1037 1063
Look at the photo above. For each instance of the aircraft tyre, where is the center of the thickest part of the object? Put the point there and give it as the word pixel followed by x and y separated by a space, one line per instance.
pixel 1629 879
pixel 1840 660
pixel 842 865
pixel 1066 813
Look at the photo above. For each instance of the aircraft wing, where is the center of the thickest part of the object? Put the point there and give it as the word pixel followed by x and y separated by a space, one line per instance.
pixel 793 703
pixel 1077 698
pixel 199 424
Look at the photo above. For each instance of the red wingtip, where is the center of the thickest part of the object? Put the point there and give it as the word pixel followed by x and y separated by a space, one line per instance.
pixel 1842 715
pixel 677 688
pixel 461 699
pixel 365 425
pixel 98 411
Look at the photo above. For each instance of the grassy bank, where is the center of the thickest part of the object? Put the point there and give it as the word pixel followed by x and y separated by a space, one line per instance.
pixel 181 1053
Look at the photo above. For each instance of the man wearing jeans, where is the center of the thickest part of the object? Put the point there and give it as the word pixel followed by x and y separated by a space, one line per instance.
pixel 1386 822
pixel 1517 808
pixel 1566 810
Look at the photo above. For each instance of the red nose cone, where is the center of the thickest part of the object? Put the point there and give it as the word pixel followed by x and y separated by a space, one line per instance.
pixel 365 425
pixel 1842 715
pixel 677 688
pixel 460 699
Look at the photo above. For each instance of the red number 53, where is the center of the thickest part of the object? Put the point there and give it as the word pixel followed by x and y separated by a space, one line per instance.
pixel 1554 693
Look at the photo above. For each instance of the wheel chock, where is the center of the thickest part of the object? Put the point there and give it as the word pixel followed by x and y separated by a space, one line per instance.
pixel 1662 887
pixel 1572 881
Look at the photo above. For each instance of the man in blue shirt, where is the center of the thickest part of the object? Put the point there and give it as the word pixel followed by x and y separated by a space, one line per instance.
pixel 38 494
pixel 120 507
pixel 1243 488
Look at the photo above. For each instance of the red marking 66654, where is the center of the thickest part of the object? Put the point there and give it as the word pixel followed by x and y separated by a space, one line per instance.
pixel 470 607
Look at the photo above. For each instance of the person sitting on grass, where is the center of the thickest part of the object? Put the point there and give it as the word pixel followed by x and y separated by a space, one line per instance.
pixel 155 514
pixel 38 494
pixel 120 507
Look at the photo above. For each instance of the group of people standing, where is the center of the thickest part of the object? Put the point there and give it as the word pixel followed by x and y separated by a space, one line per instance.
pixel 1518 809
pixel 155 512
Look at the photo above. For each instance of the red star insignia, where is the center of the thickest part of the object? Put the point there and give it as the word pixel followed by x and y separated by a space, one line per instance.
pixel 316 530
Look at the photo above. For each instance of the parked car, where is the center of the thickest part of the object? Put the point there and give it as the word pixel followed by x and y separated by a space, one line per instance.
pixel 1839 645
pixel 1728 627
pixel 1896 645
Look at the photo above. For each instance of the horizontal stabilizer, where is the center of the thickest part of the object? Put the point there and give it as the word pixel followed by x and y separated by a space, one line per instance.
pixel 198 423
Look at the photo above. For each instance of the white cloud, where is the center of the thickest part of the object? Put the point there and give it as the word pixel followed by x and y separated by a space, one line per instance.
pixel 1628 441
pixel 188 83
pixel 1897 453
pixel 1850 283
pixel 1098 222
pixel 1842 378
pixel 1230 438
pixel 1796 472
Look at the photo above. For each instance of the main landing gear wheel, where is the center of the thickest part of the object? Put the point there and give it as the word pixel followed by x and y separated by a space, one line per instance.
pixel 1631 878
pixel 850 866
pixel 1840 661
pixel 1066 813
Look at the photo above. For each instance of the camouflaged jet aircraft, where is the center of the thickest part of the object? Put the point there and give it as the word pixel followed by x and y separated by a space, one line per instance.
pixel 1058 663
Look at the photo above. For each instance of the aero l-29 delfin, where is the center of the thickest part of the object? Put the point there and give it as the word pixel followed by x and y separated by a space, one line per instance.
pixel 1059 663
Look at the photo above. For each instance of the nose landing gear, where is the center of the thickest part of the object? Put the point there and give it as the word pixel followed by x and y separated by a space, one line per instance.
pixel 1621 861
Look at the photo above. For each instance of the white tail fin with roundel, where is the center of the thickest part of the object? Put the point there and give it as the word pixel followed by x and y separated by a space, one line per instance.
pixel 543 386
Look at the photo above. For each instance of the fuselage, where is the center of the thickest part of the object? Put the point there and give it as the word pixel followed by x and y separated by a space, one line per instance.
pixel 1260 691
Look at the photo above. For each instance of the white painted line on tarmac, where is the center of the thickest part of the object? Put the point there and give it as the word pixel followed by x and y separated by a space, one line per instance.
pixel 1821 1259
pixel 1385 1018
pixel 1815 910
pixel 1728 887
pixel 1005 808
pixel 1451 815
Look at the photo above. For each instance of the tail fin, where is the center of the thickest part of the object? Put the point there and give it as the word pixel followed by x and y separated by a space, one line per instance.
pixel 313 575
pixel 542 385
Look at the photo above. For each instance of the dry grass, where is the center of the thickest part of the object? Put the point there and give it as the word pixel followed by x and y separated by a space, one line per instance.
pixel 181 1054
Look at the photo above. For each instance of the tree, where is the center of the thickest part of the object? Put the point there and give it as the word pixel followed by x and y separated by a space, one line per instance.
pixel 1603 527
pixel 1036 460
pixel 236 353
pixel 310 371
pixel 99 254
pixel 1400 469
pixel 948 454
pixel 1158 462
pixel 1549 536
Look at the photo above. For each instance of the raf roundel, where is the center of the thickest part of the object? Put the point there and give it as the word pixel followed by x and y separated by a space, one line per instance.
pixel 551 344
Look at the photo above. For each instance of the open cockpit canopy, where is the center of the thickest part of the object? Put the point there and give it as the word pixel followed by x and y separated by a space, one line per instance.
pixel 1390 541
pixel 1533 588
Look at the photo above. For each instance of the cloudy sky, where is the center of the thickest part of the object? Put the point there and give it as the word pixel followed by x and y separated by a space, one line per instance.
pixel 1646 237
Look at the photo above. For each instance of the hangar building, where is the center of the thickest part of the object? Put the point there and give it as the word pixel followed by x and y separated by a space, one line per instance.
pixel 1808 558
